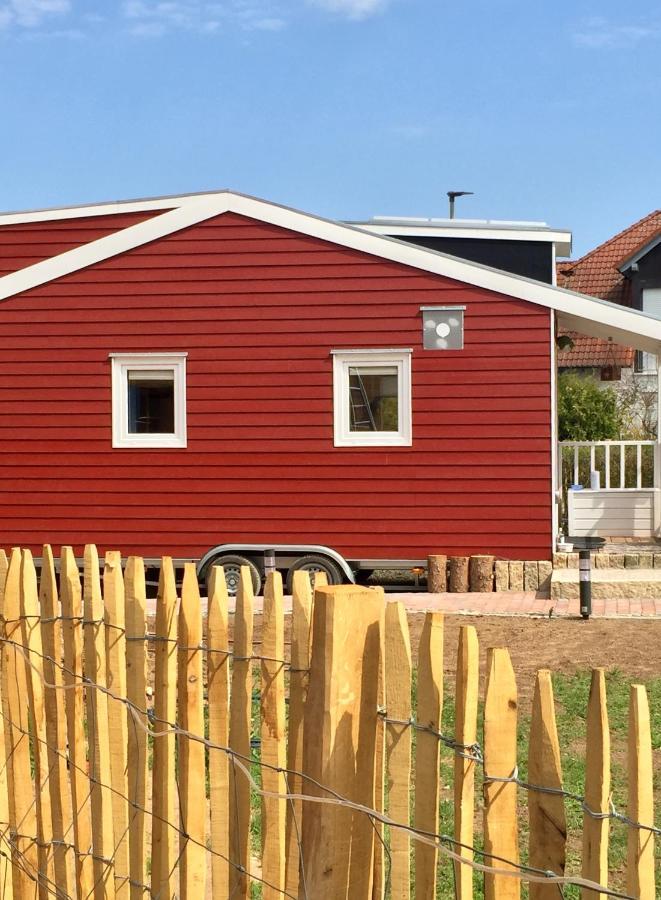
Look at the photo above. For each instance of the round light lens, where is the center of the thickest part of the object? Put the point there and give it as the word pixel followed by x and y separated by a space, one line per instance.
pixel 443 329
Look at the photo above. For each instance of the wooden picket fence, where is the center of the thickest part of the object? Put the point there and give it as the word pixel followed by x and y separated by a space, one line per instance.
pixel 131 759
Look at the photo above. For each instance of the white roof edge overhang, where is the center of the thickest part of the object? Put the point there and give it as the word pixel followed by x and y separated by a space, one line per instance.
pixel 106 208
pixel 576 312
pixel 638 255
pixel 561 238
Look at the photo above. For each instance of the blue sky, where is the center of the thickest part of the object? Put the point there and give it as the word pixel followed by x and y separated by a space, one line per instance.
pixel 345 108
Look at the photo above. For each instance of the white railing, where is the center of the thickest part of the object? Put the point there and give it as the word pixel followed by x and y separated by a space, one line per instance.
pixel 621 464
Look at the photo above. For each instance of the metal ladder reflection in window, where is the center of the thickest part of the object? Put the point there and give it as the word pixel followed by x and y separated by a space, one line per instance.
pixel 361 411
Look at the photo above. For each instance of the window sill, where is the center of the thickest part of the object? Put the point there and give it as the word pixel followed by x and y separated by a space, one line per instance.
pixel 152 442
pixel 374 440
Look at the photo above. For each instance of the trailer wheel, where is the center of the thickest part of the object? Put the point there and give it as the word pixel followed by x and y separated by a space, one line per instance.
pixel 232 565
pixel 312 564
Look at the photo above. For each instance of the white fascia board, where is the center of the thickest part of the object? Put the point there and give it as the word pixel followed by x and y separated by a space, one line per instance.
pixel 640 253
pixel 562 239
pixel 590 316
pixel 629 333
pixel 110 208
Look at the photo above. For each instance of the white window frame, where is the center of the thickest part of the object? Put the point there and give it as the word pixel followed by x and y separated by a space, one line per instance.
pixel 122 364
pixel 651 303
pixel 342 361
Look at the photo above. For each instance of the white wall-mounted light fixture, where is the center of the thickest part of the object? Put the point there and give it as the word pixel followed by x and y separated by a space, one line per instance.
pixel 443 327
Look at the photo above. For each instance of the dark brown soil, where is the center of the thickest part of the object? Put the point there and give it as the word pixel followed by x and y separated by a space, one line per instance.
pixel 561 645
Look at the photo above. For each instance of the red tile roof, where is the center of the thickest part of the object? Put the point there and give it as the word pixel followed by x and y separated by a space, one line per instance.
pixel 597 274
pixel 594 353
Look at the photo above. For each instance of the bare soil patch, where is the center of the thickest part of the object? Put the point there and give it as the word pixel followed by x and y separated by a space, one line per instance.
pixel 562 645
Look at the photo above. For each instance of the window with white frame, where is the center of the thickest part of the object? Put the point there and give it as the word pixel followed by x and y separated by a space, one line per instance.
pixel 372 398
pixel 148 400
pixel 646 363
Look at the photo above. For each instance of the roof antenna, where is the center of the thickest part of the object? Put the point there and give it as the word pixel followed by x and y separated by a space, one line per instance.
pixel 452 196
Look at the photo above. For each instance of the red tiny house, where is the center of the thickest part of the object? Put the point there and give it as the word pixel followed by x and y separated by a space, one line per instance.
pixel 258 309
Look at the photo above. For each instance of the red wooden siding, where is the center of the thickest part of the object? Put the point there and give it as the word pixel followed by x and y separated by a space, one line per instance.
pixel 31 242
pixel 258 309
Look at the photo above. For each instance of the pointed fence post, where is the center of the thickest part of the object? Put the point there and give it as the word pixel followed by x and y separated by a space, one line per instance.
pixel 363 833
pixel 240 720
pixel 548 826
pixel 31 628
pixel 115 614
pixel 273 749
pixel 428 750
pixel 5 860
pixel 136 693
pixel 96 673
pixel 339 734
pixel 466 698
pixel 398 744
pixel 380 863
pixel 164 820
pixel 500 817
pixel 191 753
pixel 218 686
pixel 597 788
pixel 56 733
pixel 74 698
pixel 640 858
pixel 301 631
pixel 22 811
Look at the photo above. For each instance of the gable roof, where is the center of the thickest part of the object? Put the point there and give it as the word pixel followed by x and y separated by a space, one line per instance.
pixel 576 312
pixel 600 273
pixel 645 247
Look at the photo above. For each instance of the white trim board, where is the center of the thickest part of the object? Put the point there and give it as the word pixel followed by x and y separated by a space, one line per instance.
pixel 561 240
pixel 578 312
pixel 107 208
pixel 640 253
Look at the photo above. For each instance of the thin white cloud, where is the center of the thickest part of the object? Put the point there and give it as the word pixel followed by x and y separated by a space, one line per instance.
pixel 33 13
pixel 411 132
pixel 268 24
pixel 152 18
pixel 597 33
pixel 54 34
pixel 352 9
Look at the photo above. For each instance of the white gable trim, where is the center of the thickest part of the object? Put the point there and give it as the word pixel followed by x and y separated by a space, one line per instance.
pixel 640 253
pixel 110 208
pixel 107 247
pixel 582 313
pixel 561 240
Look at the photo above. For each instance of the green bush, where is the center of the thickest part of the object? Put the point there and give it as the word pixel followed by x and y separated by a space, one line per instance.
pixel 587 412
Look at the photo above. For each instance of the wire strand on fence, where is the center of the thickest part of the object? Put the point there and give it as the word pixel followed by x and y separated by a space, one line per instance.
pixel 474 752
pixel 438 840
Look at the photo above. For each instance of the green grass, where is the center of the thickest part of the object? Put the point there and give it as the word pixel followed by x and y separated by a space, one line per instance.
pixel 571 695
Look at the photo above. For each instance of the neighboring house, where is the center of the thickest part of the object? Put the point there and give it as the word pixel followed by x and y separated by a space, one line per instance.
pixel 626 269
pixel 523 248
pixel 188 371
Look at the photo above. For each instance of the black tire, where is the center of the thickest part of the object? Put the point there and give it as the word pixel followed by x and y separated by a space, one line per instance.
pixel 316 563
pixel 232 564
